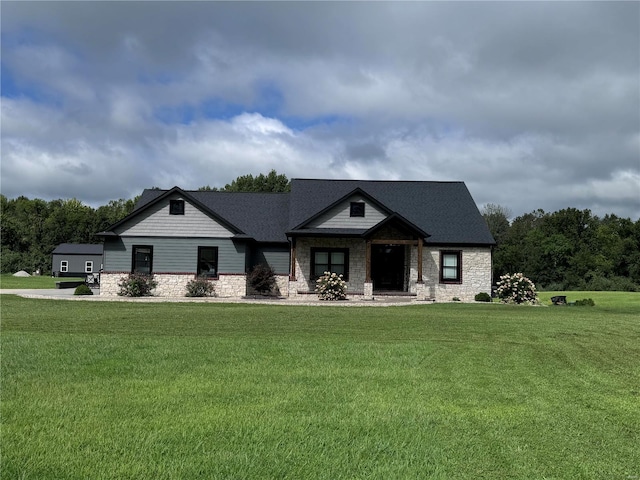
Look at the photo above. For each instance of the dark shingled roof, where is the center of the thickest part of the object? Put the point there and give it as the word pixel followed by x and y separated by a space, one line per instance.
pixel 79 249
pixel 444 210
pixel 261 216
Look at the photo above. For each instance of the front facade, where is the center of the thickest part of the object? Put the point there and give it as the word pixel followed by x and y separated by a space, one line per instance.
pixel 422 239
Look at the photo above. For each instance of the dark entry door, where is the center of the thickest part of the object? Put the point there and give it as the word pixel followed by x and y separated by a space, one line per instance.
pixel 387 267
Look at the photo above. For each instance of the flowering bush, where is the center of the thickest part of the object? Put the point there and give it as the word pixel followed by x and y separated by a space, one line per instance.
pixel 331 286
pixel 516 288
pixel 200 287
pixel 136 285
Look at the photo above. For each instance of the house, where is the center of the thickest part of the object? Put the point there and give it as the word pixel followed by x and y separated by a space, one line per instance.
pixel 76 259
pixel 423 239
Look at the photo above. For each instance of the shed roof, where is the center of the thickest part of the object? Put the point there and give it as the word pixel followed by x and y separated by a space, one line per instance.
pixel 79 249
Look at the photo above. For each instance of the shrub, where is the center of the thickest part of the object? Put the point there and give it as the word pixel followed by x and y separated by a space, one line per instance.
pixel 586 302
pixel 136 285
pixel 516 288
pixel 82 290
pixel 200 287
pixel 262 278
pixel 331 286
pixel 483 297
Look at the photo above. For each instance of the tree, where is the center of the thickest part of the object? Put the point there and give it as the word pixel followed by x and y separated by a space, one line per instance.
pixel 497 218
pixel 272 182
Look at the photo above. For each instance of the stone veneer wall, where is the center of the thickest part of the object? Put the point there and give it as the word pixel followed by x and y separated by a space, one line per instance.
pixel 109 283
pixel 231 286
pixel 175 284
pixel 304 284
pixel 476 270
pixel 476 274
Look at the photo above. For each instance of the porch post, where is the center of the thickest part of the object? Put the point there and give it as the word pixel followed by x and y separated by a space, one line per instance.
pixel 368 285
pixel 292 274
pixel 419 260
pixel 367 263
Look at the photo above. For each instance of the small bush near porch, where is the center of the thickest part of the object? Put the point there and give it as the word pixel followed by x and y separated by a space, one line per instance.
pixel 135 390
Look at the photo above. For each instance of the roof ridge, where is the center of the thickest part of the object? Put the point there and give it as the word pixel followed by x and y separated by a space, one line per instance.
pixel 374 181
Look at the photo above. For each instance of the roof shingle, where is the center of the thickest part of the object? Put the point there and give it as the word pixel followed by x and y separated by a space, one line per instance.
pixel 444 210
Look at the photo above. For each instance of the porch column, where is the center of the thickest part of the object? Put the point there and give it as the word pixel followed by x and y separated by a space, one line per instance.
pixel 419 260
pixel 368 285
pixel 367 263
pixel 292 273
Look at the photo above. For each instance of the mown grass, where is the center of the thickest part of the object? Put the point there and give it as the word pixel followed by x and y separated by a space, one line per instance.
pixel 39 281
pixel 140 390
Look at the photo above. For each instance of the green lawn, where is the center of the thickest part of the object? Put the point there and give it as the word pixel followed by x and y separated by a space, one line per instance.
pixel 40 281
pixel 100 390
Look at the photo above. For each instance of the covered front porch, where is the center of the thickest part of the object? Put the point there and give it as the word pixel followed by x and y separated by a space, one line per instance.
pixel 383 260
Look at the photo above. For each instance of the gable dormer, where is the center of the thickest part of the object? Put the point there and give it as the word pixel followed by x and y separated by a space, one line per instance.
pixel 355 211
pixel 174 213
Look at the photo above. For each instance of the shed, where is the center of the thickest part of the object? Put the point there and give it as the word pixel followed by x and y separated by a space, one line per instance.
pixel 76 259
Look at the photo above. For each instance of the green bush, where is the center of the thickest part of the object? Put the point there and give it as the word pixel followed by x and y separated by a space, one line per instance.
pixel 262 278
pixel 200 287
pixel 586 302
pixel 82 290
pixel 483 297
pixel 136 285
pixel 331 286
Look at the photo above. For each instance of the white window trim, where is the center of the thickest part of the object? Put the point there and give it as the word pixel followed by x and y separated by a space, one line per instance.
pixel 88 266
pixel 64 266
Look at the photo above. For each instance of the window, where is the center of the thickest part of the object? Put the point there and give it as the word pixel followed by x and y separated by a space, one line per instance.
pixel 88 267
pixel 208 261
pixel 357 209
pixel 176 207
pixel 334 260
pixel 142 259
pixel 451 267
pixel 64 266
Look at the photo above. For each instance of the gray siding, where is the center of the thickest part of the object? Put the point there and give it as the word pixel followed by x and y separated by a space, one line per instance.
pixel 173 255
pixel 274 256
pixel 338 217
pixel 76 264
pixel 156 222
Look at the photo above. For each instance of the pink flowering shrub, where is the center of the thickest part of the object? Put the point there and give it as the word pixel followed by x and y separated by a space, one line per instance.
pixel 516 288
pixel 331 286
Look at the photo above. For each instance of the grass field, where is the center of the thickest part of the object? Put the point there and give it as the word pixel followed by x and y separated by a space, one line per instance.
pixel 180 391
pixel 39 281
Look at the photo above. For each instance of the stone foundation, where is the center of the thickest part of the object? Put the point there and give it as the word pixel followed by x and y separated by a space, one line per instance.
pixel 175 284
pixel 231 286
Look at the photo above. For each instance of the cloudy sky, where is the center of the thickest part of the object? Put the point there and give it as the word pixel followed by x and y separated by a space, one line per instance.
pixel 533 105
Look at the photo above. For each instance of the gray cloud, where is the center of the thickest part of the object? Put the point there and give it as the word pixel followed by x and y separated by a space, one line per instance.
pixel 534 105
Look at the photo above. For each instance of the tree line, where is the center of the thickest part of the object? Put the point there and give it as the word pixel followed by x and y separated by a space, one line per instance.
pixel 569 249
pixel 30 229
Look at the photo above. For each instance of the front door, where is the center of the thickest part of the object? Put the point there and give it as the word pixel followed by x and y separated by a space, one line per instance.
pixel 387 267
